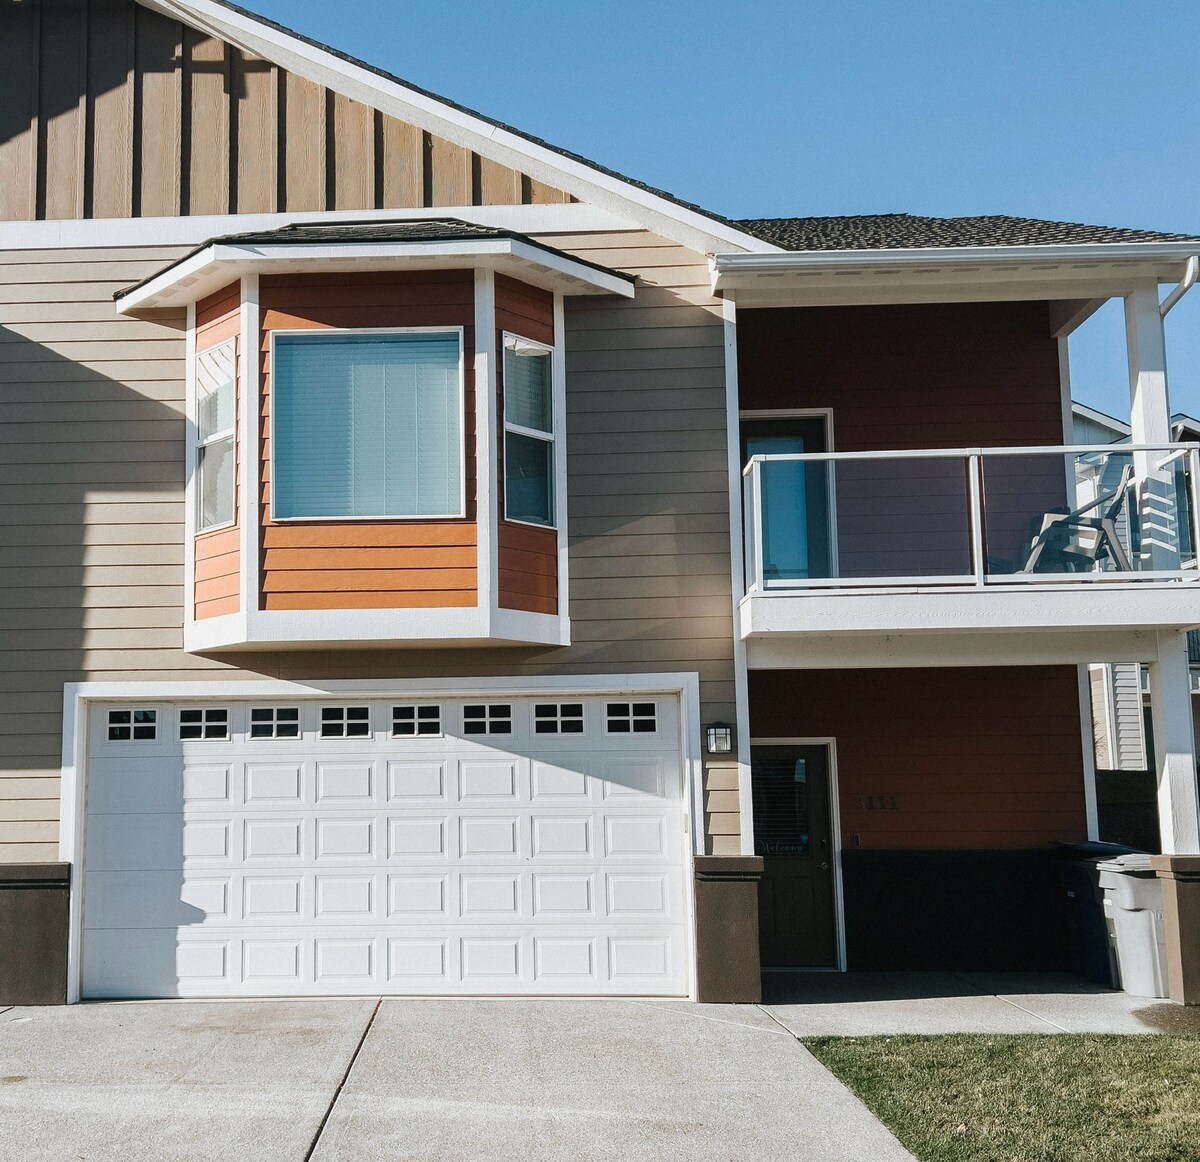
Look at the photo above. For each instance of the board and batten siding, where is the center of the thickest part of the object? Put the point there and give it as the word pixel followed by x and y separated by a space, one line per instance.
pixel 91 508
pixel 110 110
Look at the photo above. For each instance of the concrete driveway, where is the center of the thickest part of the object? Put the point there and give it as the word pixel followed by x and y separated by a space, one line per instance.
pixel 289 1081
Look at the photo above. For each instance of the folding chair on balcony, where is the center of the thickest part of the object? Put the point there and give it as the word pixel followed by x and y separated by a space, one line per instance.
pixel 1073 542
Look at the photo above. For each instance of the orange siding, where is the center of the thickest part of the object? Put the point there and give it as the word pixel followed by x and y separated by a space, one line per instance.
pixel 940 759
pixel 528 557
pixel 218 554
pixel 364 564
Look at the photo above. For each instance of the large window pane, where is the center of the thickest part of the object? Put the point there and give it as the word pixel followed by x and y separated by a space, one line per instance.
pixel 215 391
pixel 528 475
pixel 527 389
pixel 367 425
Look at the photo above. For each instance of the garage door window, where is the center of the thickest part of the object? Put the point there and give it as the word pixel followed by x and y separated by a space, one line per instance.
pixel 493 718
pixel 558 718
pixel 416 721
pixel 632 718
pixel 345 721
pixel 275 722
pixel 132 725
pixel 209 725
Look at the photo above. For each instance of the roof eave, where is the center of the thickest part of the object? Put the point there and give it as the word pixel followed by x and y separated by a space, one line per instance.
pixel 653 210
pixel 221 262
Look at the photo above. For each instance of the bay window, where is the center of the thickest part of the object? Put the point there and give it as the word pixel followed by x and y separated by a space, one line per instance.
pixel 528 433
pixel 216 457
pixel 367 424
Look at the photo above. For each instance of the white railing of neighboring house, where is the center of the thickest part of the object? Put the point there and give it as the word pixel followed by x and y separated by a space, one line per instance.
pixel 1086 514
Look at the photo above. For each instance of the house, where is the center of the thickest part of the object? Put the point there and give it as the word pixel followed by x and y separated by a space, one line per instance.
pixel 437 564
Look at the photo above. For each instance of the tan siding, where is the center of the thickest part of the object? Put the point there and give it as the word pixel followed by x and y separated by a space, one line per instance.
pixel 176 122
pixel 208 80
pixel 353 155
pixel 96 597
pixel 158 132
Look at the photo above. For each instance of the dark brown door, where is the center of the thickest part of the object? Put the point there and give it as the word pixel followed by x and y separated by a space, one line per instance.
pixel 797 926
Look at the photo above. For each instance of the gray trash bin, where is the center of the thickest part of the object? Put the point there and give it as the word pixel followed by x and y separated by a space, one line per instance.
pixel 1133 900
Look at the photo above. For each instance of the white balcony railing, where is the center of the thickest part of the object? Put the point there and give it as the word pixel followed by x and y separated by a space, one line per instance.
pixel 972 517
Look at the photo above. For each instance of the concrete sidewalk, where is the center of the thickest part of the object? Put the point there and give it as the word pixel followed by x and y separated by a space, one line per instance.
pixel 820 1004
pixel 286 1081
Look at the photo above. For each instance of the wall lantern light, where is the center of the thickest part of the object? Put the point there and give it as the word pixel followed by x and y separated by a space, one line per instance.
pixel 719 738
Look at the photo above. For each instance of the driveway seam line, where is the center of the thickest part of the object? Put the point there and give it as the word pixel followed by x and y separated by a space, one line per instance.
pixel 790 1032
pixel 706 1017
pixel 1030 1012
pixel 337 1093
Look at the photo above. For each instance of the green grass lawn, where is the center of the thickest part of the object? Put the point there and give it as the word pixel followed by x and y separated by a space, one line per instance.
pixel 1028 1097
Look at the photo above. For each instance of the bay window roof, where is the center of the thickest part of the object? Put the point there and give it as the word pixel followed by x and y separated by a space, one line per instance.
pixel 409 244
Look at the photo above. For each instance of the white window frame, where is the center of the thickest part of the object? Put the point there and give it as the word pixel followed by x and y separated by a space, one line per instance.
pixel 416 708
pixel 509 340
pixel 274 723
pixel 216 438
pixel 460 331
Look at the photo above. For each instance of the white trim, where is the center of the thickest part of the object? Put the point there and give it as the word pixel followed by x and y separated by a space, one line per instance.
pixel 558 380
pixel 80 233
pixel 1088 741
pixel 835 832
pixel 214 266
pixel 393 97
pixel 487 531
pixel 461 514
pixel 929 256
pixel 197 445
pixel 189 463
pixel 550 437
pixel 1098 417
pixel 77 697
pixel 250 401
pixel 737 569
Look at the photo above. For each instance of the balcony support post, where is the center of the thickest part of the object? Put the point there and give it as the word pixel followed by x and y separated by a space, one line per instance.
pixel 1174 745
pixel 1150 421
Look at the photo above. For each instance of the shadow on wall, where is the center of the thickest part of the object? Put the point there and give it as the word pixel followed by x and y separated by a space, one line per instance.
pixel 91 490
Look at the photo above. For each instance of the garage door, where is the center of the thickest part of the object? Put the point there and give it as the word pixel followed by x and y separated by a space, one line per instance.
pixel 489 846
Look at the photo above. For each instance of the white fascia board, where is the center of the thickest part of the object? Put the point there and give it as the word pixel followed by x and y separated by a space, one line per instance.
pixel 191 230
pixel 688 227
pixel 1083 608
pixel 725 266
pixel 887 650
pixel 220 263
pixel 1098 417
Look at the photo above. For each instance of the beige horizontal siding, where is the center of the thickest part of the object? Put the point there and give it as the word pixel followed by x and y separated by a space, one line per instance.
pixel 91 472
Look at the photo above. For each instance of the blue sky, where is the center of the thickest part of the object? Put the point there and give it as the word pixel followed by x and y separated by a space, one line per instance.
pixel 1085 110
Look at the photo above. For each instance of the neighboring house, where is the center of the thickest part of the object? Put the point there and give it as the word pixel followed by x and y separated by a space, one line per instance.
pixel 434 563
pixel 1120 690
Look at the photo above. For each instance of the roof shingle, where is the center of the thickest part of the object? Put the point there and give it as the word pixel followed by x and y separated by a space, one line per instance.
pixel 912 231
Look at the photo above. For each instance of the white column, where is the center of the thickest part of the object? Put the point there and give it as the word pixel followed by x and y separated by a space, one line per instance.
pixel 1150 420
pixel 1174 745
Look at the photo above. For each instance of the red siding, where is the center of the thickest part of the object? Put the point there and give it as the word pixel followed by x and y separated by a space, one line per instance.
pixel 925 376
pixel 987 757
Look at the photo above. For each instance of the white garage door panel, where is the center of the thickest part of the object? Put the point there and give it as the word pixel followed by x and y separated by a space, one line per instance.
pixel 518 864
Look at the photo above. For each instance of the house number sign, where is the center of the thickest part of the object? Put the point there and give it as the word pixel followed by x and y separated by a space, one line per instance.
pixel 879 802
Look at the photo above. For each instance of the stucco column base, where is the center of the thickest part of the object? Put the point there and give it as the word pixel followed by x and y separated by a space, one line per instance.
pixel 1180 876
pixel 727 964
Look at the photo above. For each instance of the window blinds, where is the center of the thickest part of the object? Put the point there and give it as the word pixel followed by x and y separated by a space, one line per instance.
pixel 367 425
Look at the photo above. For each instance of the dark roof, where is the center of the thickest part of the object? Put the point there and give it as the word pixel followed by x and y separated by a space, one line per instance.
pixel 912 231
pixel 345 56
pixel 402 230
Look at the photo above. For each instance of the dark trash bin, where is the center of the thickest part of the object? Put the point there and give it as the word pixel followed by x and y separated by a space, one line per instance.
pixel 1093 944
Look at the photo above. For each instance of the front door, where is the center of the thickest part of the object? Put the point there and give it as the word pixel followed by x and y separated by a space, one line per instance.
pixel 797 926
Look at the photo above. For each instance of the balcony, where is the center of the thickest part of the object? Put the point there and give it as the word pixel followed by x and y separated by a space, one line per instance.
pixel 1099 537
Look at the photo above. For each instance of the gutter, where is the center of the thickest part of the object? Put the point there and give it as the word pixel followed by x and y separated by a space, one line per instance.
pixel 1188 281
